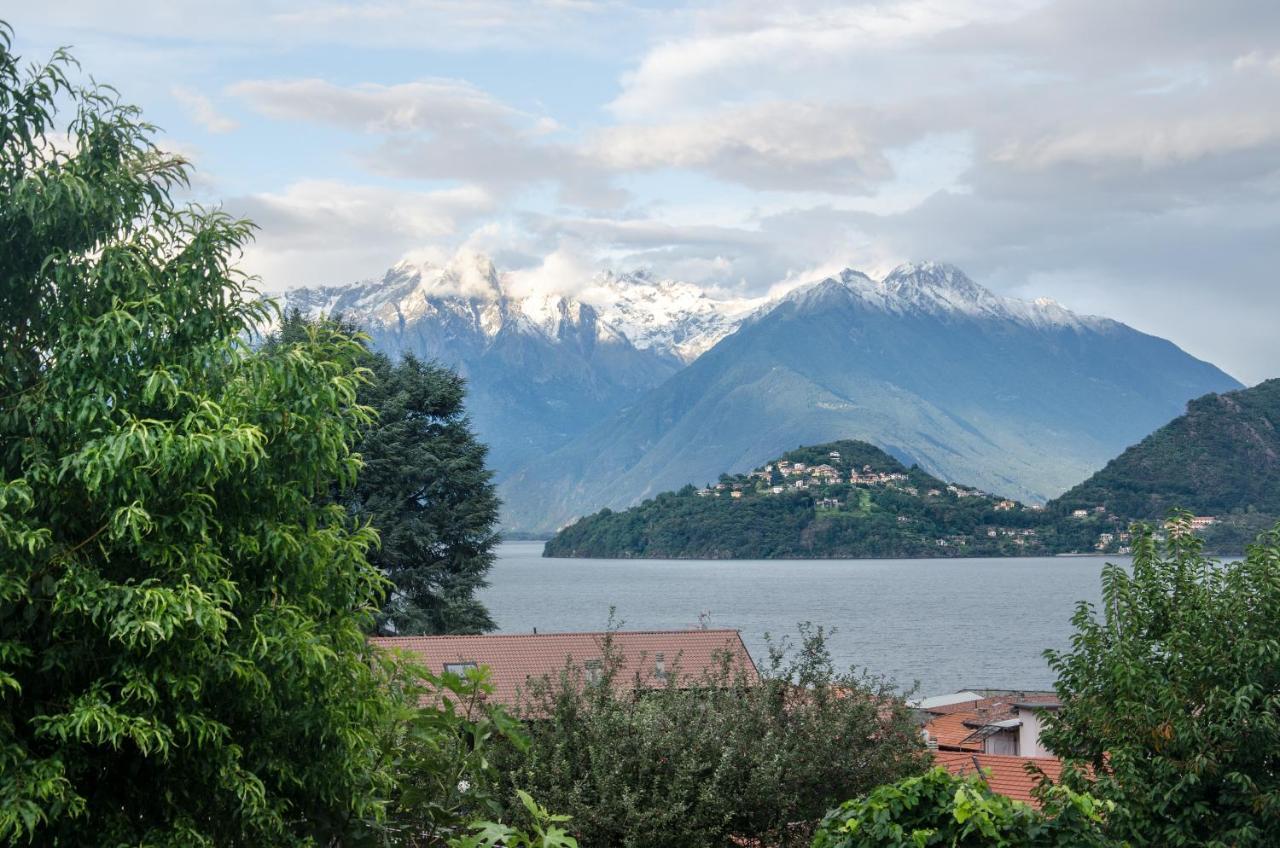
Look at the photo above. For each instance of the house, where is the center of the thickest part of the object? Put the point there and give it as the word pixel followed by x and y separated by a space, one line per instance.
pixel 829 503
pixel 1104 540
pixel 1001 723
pixel 515 660
pixel 1079 513
pixel 702 493
pixel 777 490
pixel 834 454
pixel 1200 522
pixel 1005 505
pixel 736 493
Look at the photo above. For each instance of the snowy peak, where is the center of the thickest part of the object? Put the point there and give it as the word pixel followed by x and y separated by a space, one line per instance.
pixel 472 299
pixel 666 315
pixel 939 289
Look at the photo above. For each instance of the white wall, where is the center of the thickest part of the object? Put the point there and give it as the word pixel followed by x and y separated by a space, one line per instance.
pixel 1029 744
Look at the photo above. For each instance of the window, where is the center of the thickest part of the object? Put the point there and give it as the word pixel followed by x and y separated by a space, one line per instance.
pixel 459 668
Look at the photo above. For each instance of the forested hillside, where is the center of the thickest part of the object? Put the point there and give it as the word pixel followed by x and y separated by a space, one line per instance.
pixel 841 499
pixel 1221 459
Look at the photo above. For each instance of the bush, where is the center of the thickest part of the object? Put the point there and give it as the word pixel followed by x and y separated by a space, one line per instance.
pixel 711 756
pixel 940 809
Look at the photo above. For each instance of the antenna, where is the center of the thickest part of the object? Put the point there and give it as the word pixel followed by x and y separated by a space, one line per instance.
pixel 704 619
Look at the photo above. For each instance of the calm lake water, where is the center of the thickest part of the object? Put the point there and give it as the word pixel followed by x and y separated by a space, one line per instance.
pixel 948 623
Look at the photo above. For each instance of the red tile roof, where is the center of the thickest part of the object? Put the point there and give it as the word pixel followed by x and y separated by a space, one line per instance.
pixel 950 731
pixel 1006 775
pixel 515 658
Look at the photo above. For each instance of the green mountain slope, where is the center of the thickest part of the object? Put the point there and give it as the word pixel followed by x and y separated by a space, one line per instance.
pixel 841 499
pixel 1221 458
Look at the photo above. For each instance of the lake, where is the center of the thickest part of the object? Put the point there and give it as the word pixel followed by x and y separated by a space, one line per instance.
pixel 948 623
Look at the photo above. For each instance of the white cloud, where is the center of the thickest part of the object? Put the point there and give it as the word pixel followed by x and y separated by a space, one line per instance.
pixel 774 145
pixel 1152 143
pixel 1257 60
pixel 563 271
pixel 325 232
pixel 739 48
pixel 424 106
pixel 201 110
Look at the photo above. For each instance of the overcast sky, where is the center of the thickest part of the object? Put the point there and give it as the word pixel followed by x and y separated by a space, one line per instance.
pixel 1120 156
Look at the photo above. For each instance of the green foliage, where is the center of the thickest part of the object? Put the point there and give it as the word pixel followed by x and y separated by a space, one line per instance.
pixel 424 486
pixel 544 832
pixel 711 756
pixel 938 809
pixel 1170 695
pixel 182 650
pixel 438 747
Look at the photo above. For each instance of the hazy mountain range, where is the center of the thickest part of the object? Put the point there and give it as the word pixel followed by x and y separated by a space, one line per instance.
pixel 633 385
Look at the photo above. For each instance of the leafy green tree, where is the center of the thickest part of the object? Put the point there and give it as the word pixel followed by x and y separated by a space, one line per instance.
pixel 711 756
pixel 424 486
pixel 939 809
pixel 182 628
pixel 1171 694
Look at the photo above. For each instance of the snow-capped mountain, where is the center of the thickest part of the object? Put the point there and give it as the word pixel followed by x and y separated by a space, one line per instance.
pixel 1021 398
pixel 666 315
pixel 632 385
pixel 939 289
pixel 542 367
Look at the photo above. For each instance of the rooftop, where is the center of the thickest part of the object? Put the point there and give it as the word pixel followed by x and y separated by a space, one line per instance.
pixel 516 659
pixel 1008 776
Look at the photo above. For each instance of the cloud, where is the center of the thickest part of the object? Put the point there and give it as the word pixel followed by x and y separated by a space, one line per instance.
pixel 424 106
pixel 775 145
pixel 201 110
pixel 441 130
pixel 452 25
pixel 326 232
pixel 763 46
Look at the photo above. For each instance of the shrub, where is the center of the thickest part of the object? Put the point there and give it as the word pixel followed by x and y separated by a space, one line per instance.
pixel 711 756
pixel 1171 694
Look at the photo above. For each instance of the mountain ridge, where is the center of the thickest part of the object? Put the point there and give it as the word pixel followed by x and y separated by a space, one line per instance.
pixel 604 391
pixel 1022 400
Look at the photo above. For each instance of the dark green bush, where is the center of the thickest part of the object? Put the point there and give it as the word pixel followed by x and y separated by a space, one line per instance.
pixel 714 755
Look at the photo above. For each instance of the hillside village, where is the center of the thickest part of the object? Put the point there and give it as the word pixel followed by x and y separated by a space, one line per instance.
pixel 845 498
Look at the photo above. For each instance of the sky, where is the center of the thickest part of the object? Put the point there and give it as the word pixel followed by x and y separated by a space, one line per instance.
pixel 1122 158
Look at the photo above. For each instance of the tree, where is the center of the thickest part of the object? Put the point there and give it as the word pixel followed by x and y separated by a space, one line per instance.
pixel 709 757
pixel 424 486
pixel 182 627
pixel 1171 694
pixel 938 809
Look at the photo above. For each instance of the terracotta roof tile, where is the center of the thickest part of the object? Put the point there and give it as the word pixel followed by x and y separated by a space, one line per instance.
pixel 950 731
pixel 515 658
pixel 1007 775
